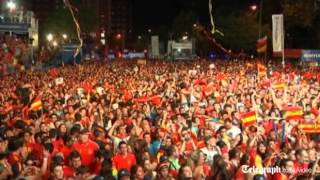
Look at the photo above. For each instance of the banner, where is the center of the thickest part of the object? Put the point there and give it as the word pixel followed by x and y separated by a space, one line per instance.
pixel 277 33
pixel 155 46
pixel 310 55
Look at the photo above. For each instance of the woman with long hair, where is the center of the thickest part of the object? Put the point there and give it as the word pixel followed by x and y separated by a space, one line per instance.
pixel 220 169
pixel 185 173
pixel 137 172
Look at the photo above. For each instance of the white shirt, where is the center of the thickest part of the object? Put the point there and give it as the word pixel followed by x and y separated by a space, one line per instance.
pixel 233 132
pixel 210 154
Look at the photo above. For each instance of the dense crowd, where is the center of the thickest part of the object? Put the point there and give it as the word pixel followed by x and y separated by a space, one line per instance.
pixel 161 120
pixel 14 54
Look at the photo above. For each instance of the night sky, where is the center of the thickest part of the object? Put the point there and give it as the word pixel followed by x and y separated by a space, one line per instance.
pixel 156 12
pixel 162 12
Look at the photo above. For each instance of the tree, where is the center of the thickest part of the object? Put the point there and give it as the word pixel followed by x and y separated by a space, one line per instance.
pixel 301 21
pixel 60 21
pixel 88 18
pixel 183 23
pixel 240 31
pixel 299 12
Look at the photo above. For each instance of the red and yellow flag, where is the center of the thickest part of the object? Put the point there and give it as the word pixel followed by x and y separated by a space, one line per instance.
pixel 293 113
pixel 278 86
pixel 309 128
pixel 36 105
pixel 249 118
pixel 262 45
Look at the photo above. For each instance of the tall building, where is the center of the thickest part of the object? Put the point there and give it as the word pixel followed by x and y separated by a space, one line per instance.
pixel 120 16
pixel 114 16
pixel 41 8
pixel 104 12
pixel 121 24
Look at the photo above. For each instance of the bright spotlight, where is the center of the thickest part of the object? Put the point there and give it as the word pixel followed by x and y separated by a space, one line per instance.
pixel 49 37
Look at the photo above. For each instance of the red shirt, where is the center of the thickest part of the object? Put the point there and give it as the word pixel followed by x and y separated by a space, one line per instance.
pixel 124 162
pixel 239 174
pixel 279 176
pixel 300 168
pixel 36 149
pixel 65 150
pixel 68 172
pixel 96 167
pixel 87 151
pixel 206 169
pixel 189 145
pixel 14 158
pixel 58 145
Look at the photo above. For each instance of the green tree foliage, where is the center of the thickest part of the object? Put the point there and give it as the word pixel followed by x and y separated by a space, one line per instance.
pixel 241 31
pixel 299 12
pixel 183 23
pixel 302 23
pixel 88 18
pixel 60 20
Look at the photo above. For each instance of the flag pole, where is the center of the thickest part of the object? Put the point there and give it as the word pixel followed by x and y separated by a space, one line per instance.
pixel 283 33
pixel 41 114
pixel 283 62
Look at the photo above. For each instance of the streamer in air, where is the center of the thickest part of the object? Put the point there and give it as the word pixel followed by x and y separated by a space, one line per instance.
pixel 214 30
pixel 78 29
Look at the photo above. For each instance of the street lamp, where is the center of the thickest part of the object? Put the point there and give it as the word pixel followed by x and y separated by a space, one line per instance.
pixel 64 36
pixel 184 37
pixel 139 37
pixel 55 43
pixel 149 30
pixel 253 7
pixel 50 37
pixel 11 5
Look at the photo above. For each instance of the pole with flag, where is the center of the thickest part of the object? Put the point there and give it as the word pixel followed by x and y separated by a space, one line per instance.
pixel 262 44
pixel 36 105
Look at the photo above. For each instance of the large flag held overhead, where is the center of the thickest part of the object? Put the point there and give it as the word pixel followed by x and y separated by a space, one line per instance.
pixel 36 105
pixel 309 128
pixel 262 45
pixel 293 113
pixel 249 118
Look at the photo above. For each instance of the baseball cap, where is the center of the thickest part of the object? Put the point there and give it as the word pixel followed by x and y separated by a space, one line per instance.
pixel 123 173
pixel 164 159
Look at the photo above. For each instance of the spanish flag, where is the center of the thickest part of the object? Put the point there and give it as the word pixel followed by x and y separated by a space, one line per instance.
pixel 262 45
pixel 309 128
pixel 36 105
pixel 249 118
pixel 293 113
pixel 279 85
pixel 201 144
